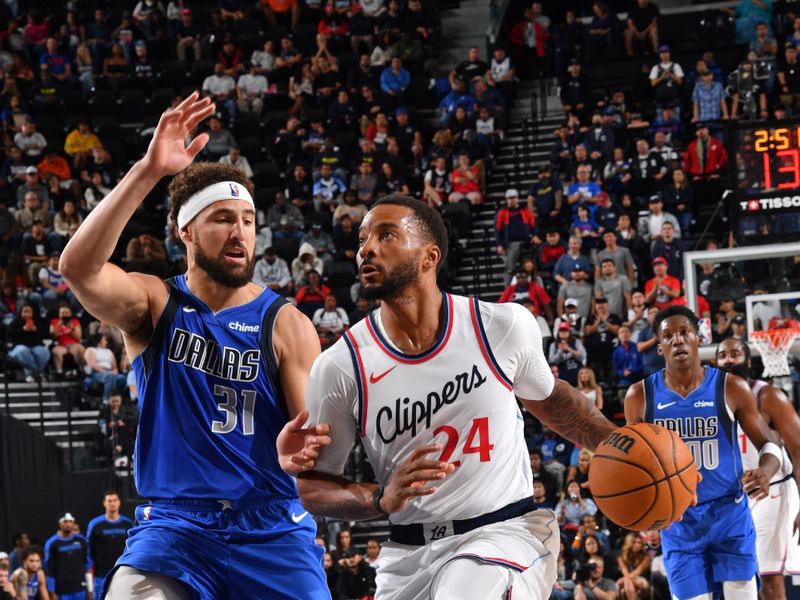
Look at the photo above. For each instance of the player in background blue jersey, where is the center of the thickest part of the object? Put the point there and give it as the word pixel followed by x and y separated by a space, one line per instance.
pixel 222 366
pixel 107 534
pixel 713 547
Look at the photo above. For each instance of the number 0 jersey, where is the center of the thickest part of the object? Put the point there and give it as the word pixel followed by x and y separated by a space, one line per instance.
pixel 707 426
pixel 460 393
pixel 210 402
pixel 750 458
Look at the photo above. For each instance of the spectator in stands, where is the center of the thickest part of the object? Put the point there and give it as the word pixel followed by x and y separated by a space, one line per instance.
pixel 464 182
pixel 619 255
pixel 617 173
pixel 330 321
pixel 311 291
pixel 101 366
pixel 302 266
pixel 502 74
pixel 648 172
pixel 32 210
pixel 649 227
pixel 599 142
pixel 726 313
pixel 636 320
pixel 647 345
pixel 587 385
pixel 747 91
pixel 584 226
pixel 116 67
pixel 678 200
pixel 345 238
pixel 284 219
pixel 437 187
pixel 395 79
pixel 13 170
pixel 570 510
pixel 220 140
pixel 564 266
pixel 31 142
pixel 356 578
pixel 79 144
pixel 708 99
pixel 53 165
pixel 26 335
pixel 391 182
pixel 666 77
pixel 251 88
pixel 143 70
pixel 117 427
pixel 329 189
pixel 36 247
pixel 458 98
pixel 601 31
pixel 643 21
pixel 789 79
pixel 529 43
pixel 221 87
pixel 575 90
pixel 600 332
pixel 633 562
pixel 583 191
pixel 561 151
pixel 52 285
pixel 571 317
pixel 664 150
pixel 705 157
pixel 146 254
pixel 543 476
pixel 748 14
pixel 595 586
pixel 235 159
pixel 527 288
pixel 670 248
pixel 662 289
pixel 321 241
pixel 544 199
pixel 273 272
pixel 626 359
pixel 187 34
pixel 613 287
pixel 513 231
pixel 468 69
pixel 567 353
pixel 67 332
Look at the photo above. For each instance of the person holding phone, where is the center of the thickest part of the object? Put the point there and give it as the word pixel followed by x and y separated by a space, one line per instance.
pixel 27 338
pixel 67 332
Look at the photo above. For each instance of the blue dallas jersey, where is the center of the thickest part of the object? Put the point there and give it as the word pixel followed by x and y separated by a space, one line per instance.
pixel 210 402
pixel 705 424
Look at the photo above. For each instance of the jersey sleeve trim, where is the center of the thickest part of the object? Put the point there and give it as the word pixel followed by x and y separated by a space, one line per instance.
pixel 149 355
pixel 648 399
pixel 415 359
pixel 483 343
pixel 268 352
pixel 361 381
pixel 725 421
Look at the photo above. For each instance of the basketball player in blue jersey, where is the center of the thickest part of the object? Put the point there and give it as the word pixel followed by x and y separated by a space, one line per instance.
pixel 776 517
pixel 221 365
pixel 714 546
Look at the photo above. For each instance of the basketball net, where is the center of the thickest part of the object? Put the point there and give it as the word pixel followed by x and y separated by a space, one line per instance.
pixel 774 344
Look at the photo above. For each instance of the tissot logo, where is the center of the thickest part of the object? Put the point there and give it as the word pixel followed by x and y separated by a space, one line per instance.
pixel 770 203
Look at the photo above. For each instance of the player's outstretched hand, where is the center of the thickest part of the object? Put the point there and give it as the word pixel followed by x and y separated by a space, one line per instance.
pixel 756 483
pixel 168 153
pixel 410 479
pixel 298 446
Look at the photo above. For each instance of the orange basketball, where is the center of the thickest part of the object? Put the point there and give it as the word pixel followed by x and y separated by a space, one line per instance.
pixel 642 477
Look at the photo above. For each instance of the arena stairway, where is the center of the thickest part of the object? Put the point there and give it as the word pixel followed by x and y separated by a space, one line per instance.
pixel 526 145
pixel 48 407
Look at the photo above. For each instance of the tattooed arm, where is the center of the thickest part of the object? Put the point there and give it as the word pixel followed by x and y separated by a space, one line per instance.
pixel 572 415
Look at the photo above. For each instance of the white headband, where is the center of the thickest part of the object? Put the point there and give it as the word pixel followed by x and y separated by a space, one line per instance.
pixel 224 190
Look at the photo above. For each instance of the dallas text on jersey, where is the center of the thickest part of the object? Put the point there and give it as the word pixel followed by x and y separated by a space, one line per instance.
pixel 205 355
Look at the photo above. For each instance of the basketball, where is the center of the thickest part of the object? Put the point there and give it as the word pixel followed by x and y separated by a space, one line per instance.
pixel 642 477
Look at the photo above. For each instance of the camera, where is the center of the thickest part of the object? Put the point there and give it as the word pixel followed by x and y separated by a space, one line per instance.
pixel 584 572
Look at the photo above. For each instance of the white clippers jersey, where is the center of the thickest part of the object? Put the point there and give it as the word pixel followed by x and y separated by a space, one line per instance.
pixel 460 393
pixel 748 448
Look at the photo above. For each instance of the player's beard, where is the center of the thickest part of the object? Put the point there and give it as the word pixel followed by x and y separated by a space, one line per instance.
pixel 394 281
pixel 217 268
pixel 741 370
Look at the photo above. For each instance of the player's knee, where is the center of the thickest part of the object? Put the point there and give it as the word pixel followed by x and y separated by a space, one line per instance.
pixel 131 584
pixel 740 590
pixel 773 587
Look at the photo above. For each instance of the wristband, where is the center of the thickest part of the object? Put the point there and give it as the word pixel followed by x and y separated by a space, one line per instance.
pixel 774 449
pixel 377 494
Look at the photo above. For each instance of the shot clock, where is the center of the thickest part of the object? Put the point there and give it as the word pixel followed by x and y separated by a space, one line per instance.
pixel 765 177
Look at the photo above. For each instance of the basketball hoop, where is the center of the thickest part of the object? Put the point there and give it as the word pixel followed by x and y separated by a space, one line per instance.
pixel 774 344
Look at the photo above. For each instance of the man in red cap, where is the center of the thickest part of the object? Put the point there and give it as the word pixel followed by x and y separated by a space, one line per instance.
pixel 662 289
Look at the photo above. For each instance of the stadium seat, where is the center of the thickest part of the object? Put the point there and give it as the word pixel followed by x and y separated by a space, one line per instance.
pixel 286 249
pixel 266 174
pixel 251 149
pixel 340 273
pixel 132 106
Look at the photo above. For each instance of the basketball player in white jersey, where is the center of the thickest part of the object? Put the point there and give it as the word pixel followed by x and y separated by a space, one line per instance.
pixel 430 383
pixel 776 517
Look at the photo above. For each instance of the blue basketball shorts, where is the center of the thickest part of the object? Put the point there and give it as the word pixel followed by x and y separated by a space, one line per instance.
pixel 230 550
pixel 715 542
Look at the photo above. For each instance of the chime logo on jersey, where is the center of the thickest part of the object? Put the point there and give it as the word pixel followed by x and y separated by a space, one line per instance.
pixel 204 355
pixel 415 416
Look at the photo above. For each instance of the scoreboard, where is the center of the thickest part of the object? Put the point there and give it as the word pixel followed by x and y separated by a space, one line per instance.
pixel 764 163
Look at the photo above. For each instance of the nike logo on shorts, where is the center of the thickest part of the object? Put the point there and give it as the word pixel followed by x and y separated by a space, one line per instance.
pixel 189 309
pixel 667 405
pixel 374 379
pixel 300 517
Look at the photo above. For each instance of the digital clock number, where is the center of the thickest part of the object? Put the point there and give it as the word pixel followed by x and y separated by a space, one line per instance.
pixel 778 140
pixel 788 162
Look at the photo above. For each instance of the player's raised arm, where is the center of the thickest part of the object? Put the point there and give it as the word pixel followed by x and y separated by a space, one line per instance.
pixel 743 404
pixel 108 292
pixel 785 419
